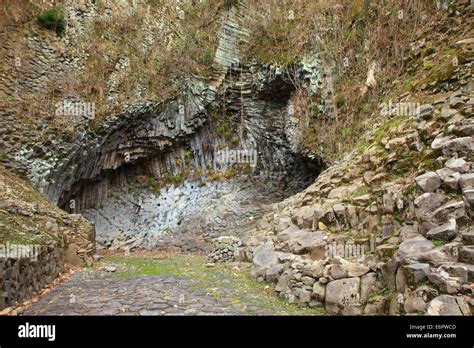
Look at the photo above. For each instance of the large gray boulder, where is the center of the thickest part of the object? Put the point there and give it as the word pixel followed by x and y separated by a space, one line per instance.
pixel 466 254
pixel 319 291
pixel 314 269
pixel 416 273
pixel 469 196
pixel 437 256
pixel 444 305
pixel 304 295
pixel 417 300
pixel 467 181
pixel 283 284
pixel 264 257
pixel 288 233
pixel 414 304
pixel 367 284
pixel 427 203
pixel 377 305
pixel 306 216
pixel 273 272
pixel 444 282
pixel 458 165
pixel 465 271
pixel 450 146
pixel 413 248
pixel 450 178
pixel 445 232
pixel 342 268
pixel 304 241
pixel 451 210
pixel 428 182
pixel 342 295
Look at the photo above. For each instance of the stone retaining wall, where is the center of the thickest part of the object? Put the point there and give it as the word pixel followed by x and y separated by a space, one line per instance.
pixel 22 278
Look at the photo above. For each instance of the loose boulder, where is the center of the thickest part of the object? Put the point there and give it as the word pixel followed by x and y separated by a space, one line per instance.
pixel 342 294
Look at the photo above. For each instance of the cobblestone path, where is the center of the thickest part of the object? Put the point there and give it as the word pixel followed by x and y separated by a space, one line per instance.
pixel 180 285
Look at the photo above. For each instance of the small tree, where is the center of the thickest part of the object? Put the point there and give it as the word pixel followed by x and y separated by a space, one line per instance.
pixel 53 19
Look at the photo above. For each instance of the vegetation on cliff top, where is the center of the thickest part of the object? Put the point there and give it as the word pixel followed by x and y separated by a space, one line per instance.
pixel 141 51
pixel 53 19
pixel 349 38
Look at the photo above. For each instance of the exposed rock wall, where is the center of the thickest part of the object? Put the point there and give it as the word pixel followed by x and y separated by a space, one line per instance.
pixel 389 229
pixel 36 239
pixel 187 217
pixel 402 200
pixel 158 147
pixel 241 107
pixel 147 138
pixel 22 278
pixel 35 59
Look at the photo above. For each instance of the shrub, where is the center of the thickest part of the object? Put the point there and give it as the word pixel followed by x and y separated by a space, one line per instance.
pixel 207 57
pixel 154 185
pixel 53 19
pixel 187 156
pixel 230 3
pixel 346 37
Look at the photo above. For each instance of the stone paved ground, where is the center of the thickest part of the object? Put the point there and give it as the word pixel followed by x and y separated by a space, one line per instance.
pixel 181 285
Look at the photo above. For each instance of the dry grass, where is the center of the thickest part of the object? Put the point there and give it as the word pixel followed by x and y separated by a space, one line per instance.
pixel 19 12
pixel 348 37
pixel 183 46
pixel 186 46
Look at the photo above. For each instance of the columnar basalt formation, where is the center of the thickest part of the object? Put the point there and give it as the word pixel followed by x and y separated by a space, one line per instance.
pixel 386 230
pixel 240 108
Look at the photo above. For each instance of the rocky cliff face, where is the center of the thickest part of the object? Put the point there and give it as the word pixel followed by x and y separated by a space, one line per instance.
pixel 36 240
pixel 364 240
pixel 158 163
pixel 388 230
pixel 240 108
